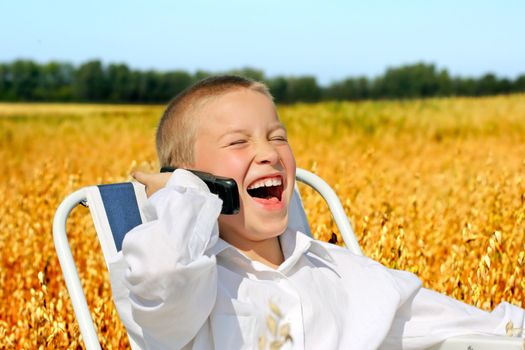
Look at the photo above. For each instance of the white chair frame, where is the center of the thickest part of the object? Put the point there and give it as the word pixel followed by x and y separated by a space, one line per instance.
pixel 87 327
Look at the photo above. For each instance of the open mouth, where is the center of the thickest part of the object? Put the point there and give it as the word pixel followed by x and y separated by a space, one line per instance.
pixel 270 188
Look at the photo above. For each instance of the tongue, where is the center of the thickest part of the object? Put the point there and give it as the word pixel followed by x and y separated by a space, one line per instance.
pixel 269 200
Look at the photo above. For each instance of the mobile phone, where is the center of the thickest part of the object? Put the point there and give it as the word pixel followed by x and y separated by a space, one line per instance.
pixel 224 187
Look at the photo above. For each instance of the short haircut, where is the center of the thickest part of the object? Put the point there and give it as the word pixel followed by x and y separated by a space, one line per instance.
pixel 177 128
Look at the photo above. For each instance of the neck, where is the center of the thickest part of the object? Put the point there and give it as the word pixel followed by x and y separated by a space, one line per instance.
pixel 267 252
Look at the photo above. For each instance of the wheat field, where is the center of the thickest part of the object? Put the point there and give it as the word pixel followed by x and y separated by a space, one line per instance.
pixel 436 187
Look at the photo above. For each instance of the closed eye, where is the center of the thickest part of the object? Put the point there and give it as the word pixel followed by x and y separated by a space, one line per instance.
pixel 236 142
pixel 279 139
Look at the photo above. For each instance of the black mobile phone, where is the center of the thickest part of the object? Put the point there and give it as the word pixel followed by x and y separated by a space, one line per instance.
pixel 224 187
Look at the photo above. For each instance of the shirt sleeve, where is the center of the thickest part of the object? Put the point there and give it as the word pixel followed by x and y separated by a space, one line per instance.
pixel 171 279
pixel 426 317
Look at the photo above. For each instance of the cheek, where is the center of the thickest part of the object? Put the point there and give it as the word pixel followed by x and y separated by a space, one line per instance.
pixel 204 156
pixel 232 164
pixel 288 159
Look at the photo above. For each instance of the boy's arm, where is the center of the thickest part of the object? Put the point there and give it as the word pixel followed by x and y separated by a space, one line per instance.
pixel 171 279
pixel 426 317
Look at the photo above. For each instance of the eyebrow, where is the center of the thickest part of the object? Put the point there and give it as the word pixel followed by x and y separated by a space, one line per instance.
pixel 277 126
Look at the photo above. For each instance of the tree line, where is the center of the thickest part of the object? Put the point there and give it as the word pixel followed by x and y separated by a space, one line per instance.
pixel 94 81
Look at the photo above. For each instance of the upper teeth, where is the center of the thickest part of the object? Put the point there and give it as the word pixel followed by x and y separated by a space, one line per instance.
pixel 275 181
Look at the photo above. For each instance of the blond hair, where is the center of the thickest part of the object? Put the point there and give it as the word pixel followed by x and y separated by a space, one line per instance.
pixel 176 131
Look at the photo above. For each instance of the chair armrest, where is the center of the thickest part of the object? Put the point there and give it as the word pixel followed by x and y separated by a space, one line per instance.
pixel 336 208
pixel 78 299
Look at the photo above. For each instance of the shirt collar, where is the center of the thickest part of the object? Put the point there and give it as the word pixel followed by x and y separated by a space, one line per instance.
pixel 293 243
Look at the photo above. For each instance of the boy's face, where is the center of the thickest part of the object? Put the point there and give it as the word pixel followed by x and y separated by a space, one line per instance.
pixel 240 136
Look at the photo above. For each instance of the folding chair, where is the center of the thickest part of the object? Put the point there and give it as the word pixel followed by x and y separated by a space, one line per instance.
pixel 117 208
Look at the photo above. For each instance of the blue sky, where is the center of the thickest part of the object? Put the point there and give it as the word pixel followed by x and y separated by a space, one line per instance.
pixel 328 39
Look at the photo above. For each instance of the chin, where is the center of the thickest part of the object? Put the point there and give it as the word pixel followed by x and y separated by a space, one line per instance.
pixel 265 230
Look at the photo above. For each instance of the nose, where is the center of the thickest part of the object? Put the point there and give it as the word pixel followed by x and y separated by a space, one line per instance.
pixel 266 153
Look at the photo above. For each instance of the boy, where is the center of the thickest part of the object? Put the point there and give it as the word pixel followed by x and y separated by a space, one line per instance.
pixel 201 280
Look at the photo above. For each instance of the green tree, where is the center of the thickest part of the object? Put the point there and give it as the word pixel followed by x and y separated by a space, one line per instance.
pixel 91 83
pixel 25 80
pixel 519 84
pixel 278 88
pixel 119 83
pixel 417 80
pixel 6 82
pixel 444 83
pixel 487 85
pixel 464 86
pixel 303 89
pixel 348 89
pixel 25 77
pixel 55 82
pixel 173 83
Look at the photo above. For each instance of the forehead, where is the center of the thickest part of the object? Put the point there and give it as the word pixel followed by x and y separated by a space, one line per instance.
pixel 238 109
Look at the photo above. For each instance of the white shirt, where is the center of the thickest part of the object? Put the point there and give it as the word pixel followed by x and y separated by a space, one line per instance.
pixel 189 289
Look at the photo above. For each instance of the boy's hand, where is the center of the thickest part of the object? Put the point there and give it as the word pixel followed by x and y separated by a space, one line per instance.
pixel 153 182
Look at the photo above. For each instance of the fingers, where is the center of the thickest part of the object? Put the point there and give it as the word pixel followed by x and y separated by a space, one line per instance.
pixel 141 177
pixel 147 180
pixel 153 182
